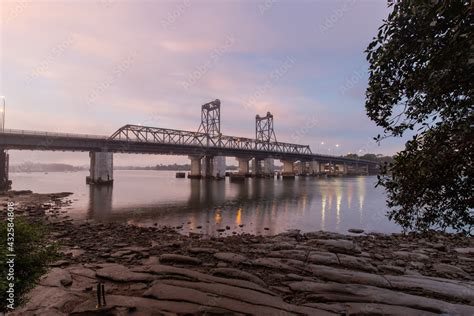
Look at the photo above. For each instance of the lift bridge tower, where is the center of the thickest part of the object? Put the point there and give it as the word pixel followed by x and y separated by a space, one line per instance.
pixel 212 167
pixel 264 133
pixel 265 139
pixel 211 121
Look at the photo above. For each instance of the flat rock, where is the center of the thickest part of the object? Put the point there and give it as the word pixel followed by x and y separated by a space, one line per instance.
pixel 179 259
pixel 226 297
pixel 355 230
pixel 46 300
pixel 439 287
pixel 323 257
pixel 238 274
pixel 356 263
pixel 293 254
pixel 230 257
pixel 334 292
pixel 174 272
pixel 273 263
pixel 120 273
pixel 411 256
pixel 465 251
pixel 56 277
pixel 347 276
pixel 125 305
pixel 202 250
pixel 86 272
pixel 447 270
pixel 338 245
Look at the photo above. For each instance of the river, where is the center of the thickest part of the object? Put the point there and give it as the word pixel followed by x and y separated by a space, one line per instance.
pixel 258 206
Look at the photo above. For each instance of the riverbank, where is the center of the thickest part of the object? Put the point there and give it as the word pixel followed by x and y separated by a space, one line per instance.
pixel 157 270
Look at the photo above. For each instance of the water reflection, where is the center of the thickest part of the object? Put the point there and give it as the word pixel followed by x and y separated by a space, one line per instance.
pixel 264 206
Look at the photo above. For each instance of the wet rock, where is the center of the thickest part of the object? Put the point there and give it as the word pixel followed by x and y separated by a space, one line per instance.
pixel 411 256
pixel 447 270
pixel 465 251
pixel 46 300
pixel 338 245
pixel 356 263
pixel 326 258
pixel 333 292
pixel 273 263
pixel 355 230
pixel 56 277
pixel 179 259
pixel 230 257
pixel 197 250
pixel 120 273
pixel 238 274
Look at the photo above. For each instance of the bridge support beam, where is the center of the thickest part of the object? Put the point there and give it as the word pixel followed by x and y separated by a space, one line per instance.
pixel 196 167
pixel 288 169
pixel 101 168
pixel 5 182
pixel 214 167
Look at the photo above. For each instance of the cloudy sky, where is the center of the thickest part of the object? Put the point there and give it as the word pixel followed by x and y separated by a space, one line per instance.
pixel 90 67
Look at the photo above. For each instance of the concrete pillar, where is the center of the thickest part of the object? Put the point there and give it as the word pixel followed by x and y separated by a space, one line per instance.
pixel 213 167
pixel 244 168
pixel 5 182
pixel 288 170
pixel 218 164
pixel 196 168
pixel 101 168
pixel 257 168
pixel 341 169
pixel 366 169
pixel 268 167
pixel 314 167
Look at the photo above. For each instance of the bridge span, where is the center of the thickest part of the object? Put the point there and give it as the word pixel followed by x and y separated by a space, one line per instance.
pixel 206 148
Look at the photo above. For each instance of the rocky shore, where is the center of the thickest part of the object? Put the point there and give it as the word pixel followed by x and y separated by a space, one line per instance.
pixel 157 271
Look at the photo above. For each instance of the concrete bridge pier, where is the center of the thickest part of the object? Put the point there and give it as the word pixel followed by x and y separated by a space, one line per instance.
pixel 365 170
pixel 256 167
pixel 341 169
pixel 196 167
pixel 314 168
pixel 288 169
pixel 101 168
pixel 5 182
pixel 214 167
pixel 244 169
pixel 268 167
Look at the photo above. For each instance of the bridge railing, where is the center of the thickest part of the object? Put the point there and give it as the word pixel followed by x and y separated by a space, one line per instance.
pixel 50 134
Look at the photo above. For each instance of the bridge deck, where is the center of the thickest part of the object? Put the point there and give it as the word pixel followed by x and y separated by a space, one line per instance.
pixel 166 145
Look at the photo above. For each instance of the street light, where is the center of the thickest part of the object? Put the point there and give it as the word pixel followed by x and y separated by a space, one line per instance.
pixel 322 143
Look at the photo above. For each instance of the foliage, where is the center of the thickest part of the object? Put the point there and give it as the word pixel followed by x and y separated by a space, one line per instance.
pixel 32 256
pixel 421 82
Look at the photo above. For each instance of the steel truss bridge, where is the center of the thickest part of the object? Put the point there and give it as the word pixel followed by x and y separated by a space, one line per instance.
pixel 207 141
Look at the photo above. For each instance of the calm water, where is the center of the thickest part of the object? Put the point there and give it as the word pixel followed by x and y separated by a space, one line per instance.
pixel 149 197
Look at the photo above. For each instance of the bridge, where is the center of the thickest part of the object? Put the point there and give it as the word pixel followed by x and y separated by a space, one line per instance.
pixel 206 148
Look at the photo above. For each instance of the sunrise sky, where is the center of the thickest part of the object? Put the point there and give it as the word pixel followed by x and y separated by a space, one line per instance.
pixel 90 67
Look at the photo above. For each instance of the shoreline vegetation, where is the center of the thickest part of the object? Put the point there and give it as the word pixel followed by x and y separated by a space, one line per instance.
pixel 157 270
